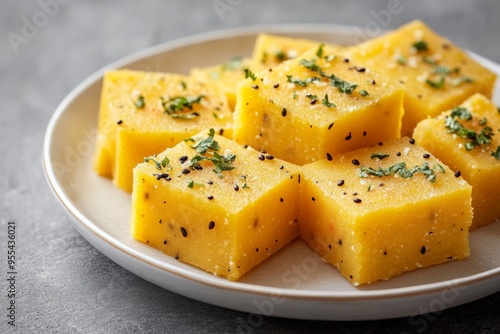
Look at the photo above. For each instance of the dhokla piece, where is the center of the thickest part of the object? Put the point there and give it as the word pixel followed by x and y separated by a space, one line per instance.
pixel 142 113
pixel 380 211
pixel 467 138
pixel 435 73
pixel 215 204
pixel 225 76
pixel 271 50
pixel 315 106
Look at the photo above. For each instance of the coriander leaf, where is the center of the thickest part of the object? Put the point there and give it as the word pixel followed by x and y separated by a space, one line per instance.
pixel 310 64
pixel 436 83
pixel 380 156
pixel 401 60
pixel 363 93
pixel 319 52
pixel 281 56
pixel 461 80
pixel 159 164
pixel 207 143
pixel 327 103
pixel 420 46
pixel 462 113
pixel 496 154
pixel 140 103
pixel 250 74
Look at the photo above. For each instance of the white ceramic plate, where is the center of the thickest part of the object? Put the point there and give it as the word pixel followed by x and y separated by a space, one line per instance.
pixel 294 283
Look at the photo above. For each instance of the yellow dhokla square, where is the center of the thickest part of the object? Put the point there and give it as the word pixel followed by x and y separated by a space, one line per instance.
pixel 467 138
pixel 215 204
pixel 436 74
pixel 142 113
pixel 380 211
pixel 316 105
pixel 224 76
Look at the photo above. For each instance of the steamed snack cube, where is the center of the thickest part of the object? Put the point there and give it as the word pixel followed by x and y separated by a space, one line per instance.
pixel 143 113
pixel 478 164
pixel 225 224
pixel 315 106
pixel 224 76
pixel 373 219
pixel 435 73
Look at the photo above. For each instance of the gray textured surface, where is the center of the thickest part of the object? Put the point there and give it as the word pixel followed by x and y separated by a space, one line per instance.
pixel 64 284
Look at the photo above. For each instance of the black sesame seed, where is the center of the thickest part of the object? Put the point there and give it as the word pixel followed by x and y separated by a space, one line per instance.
pixel 210 197
pixel 349 136
pixel 360 69
pixel 364 133
pixel 236 188
pixel 245 146
pixel 385 252
pixel 183 159
pixel 374 82
pixel 313 101
pixel 398 154
pixel 355 162
pixel 269 157
pixel 458 173
pixel 380 143
pixel 346 60
pixel 357 200
pixel 281 167
pixel 340 183
pixel 313 199
pixel 423 250
pixel 184 232
pixel 340 242
pixel 283 112
pixel 119 122
pixel 255 86
pixel 256 249
pixel 426 155
pixel 412 141
pixel 164 242
pixel 328 156
pixel 209 182
pixel 281 199
pixel 330 126
pixel 330 246
pixel 186 171
pixel 211 225
pixel 163 176
pixel 221 132
pixel 262 157
pixel 276 85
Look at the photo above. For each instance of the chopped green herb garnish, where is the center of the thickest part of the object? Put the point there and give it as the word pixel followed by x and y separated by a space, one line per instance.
pixel 183 85
pixel 401 60
pixel 421 46
pixel 159 164
pixel 140 103
pixel 342 86
pixel 208 151
pixel 430 60
pixel 319 52
pixel 310 64
pixel 245 186
pixel 455 127
pixel 401 170
pixel 300 82
pixel 207 143
pixel 327 103
pixel 363 93
pixel 461 80
pixel 329 58
pixel 461 113
pixel 380 156
pixel 443 70
pixel 281 56
pixel 173 106
pixel 191 184
pixel 483 121
pixel 496 154
pixel 439 83
pixel 250 74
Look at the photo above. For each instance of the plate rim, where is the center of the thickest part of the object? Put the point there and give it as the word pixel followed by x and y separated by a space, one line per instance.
pixel 265 291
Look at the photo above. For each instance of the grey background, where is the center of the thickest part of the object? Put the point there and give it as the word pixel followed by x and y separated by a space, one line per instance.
pixel 64 284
